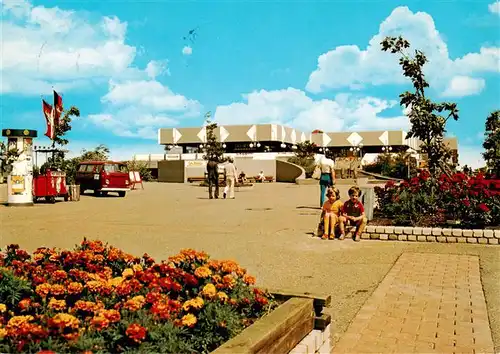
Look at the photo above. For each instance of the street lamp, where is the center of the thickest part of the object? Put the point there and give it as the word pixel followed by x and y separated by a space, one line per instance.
pixel 387 148
pixel 356 149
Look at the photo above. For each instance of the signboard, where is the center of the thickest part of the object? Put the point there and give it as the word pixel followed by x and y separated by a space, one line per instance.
pixel 17 186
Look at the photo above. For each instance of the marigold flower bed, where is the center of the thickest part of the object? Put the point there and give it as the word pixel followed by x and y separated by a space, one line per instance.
pixel 98 298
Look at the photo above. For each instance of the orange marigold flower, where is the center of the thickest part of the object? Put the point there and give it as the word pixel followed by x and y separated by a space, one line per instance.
pixel 196 303
pixel 229 266
pixel 203 272
pixel 88 306
pixel 209 290
pixel 57 289
pixel 16 322
pixel 248 279
pixel 75 288
pixel 60 275
pixel 38 257
pixel 46 352
pixel 136 332
pixel 3 333
pixel 57 304
pixel 3 308
pixel 43 290
pixel 134 304
pixel 228 281
pixel 100 322
pixel 24 304
pixel 94 286
pixel 64 320
pixel 115 281
pixel 137 268
pixel 189 320
pixel 128 273
pixel 222 296
pixel 112 315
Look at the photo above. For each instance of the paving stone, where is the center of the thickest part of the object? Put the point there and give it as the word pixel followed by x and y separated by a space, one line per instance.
pixel 370 229
pixel 408 230
pixel 403 237
pixel 488 233
pixel 393 237
pixel 497 233
pixel 467 233
pixel 457 232
pixel 451 239
pixel 398 230
pixel 441 239
pixel 478 233
pixel 482 240
pixel 389 229
pixel 437 231
pixel 380 229
pixel 431 238
pixel 412 238
pixel 471 240
pixel 375 236
pixel 493 241
pixel 446 232
pixel 426 231
pixel 430 323
pixel 421 238
pixel 461 240
pixel 384 236
pixel 365 235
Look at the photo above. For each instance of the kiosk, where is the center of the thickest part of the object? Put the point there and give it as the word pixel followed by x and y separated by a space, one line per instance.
pixel 20 177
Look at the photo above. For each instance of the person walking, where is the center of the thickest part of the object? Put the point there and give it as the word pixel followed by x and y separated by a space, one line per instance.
pixel 230 175
pixel 327 179
pixel 213 178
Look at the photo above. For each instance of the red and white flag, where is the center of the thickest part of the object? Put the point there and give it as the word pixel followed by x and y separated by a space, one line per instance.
pixel 48 112
pixel 58 108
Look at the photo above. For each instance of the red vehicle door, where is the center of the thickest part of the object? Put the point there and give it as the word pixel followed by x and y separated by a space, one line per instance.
pixel 115 178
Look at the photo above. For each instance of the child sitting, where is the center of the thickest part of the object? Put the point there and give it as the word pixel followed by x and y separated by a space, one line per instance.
pixel 330 214
pixel 353 213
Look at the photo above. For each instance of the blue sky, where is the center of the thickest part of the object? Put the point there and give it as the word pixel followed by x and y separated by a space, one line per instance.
pixel 309 65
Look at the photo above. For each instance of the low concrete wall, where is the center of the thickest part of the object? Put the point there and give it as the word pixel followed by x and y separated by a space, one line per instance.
pixel 423 234
pixel 316 342
pixel 288 172
pixel 171 171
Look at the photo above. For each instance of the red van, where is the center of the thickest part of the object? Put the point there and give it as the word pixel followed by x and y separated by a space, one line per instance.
pixel 103 177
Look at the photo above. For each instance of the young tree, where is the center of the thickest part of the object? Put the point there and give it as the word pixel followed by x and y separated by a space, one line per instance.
pixel 213 148
pixel 491 143
pixel 427 122
pixel 305 150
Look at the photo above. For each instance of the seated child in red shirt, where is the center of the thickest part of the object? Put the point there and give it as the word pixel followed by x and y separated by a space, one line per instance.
pixel 353 213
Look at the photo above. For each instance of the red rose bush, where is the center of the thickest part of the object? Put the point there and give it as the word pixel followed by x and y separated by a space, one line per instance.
pixel 471 201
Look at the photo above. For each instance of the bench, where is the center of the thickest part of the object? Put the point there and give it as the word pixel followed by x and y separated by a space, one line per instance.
pixel 256 180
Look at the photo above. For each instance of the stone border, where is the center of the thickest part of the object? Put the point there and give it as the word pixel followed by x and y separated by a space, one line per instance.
pixel 316 342
pixel 428 234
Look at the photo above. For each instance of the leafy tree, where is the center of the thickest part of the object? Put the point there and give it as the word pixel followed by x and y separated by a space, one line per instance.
pixel 426 119
pixel 305 150
pixel 491 143
pixel 213 148
pixel 100 153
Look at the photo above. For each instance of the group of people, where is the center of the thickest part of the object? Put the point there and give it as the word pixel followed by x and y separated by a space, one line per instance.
pixel 230 177
pixel 336 214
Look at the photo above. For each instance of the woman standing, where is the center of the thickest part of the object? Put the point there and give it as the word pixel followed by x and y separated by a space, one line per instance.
pixel 327 179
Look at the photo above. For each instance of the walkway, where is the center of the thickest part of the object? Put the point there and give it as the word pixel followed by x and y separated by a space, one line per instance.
pixel 427 303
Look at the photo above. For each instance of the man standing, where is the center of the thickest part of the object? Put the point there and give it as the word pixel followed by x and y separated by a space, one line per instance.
pixel 230 176
pixel 213 177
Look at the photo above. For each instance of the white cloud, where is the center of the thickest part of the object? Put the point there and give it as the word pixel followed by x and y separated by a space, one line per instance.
pixel 187 50
pixel 139 108
pixel 353 67
pixel 294 108
pixel 44 47
pixel 460 86
pixel 494 7
pixel 471 155
pixel 156 68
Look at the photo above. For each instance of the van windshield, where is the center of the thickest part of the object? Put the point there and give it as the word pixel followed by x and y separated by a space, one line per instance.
pixel 109 168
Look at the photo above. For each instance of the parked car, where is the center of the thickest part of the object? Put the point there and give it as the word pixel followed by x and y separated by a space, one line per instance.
pixel 103 177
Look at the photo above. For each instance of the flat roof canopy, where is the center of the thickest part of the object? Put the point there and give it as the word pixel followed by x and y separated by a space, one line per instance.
pixel 282 134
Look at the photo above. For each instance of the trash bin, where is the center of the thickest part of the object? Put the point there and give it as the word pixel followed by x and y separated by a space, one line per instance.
pixel 368 199
pixel 74 192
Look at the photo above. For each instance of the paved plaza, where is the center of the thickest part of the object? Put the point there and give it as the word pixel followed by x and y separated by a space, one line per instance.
pixel 266 229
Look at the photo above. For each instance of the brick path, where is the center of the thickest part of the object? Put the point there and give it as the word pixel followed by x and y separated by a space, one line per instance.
pixel 427 303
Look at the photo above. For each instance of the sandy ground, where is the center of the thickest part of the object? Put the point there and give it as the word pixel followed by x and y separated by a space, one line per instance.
pixel 265 229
